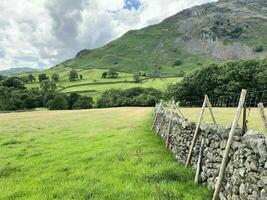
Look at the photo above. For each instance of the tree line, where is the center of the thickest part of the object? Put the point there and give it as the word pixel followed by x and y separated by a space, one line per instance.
pixel 217 80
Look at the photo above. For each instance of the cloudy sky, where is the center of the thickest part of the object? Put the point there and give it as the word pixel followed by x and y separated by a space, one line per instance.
pixel 42 33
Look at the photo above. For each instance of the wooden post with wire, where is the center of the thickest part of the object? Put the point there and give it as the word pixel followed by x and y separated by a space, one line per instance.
pixel 228 145
pixel 244 126
pixel 170 124
pixel 196 132
pixel 263 115
pixel 210 109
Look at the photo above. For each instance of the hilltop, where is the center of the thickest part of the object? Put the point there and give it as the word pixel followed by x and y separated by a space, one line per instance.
pixel 214 32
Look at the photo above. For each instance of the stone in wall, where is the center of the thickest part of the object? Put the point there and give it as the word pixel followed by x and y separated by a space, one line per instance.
pixel 246 173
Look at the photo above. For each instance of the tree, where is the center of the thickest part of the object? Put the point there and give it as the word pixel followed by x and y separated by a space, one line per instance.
pixel 48 86
pixel 14 82
pixel 258 48
pixel 104 75
pixel 178 63
pixel 72 98
pixel 136 78
pixel 83 102
pixel 58 103
pixel 81 76
pixel 73 75
pixel 112 73
pixel 42 77
pixel 31 78
pixel 55 77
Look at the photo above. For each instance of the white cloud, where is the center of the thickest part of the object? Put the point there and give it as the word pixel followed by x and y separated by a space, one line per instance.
pixel 41 33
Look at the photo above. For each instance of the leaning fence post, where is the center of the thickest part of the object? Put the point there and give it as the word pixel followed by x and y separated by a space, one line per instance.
pixel 199 160
pixel 263 116
pixel 229 143
pixel 210 109
pixel 196 132
pixel 170 124
pixel 156 114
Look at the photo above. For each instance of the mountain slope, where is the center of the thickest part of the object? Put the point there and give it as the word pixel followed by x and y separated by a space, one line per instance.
pixel 17 71
pixel 228 29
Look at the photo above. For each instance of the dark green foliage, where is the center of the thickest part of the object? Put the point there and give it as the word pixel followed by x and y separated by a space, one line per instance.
pixel 131 97
pixel 83 102
pixel 72 98
pixel 81 76
pixel 104 75
pixel 258 48
pixel 2 77
pixel 42 77
pixel 55 77
pixel 20 99
pixel 58 103
pixel 178 63
pixel 217 81
pixel 48 86
pixel 31 78
pixel 14 82
pixel 136 77
pixel 110 74
pixel 73 75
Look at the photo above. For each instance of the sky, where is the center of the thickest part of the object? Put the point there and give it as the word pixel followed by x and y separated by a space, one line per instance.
pixel 42 33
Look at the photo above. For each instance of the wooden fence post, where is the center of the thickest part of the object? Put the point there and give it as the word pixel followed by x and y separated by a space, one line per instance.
pixel 170 124
pixel 179 111
pixel 199 160
pixel 196 132
pixel 263 116
pixel 228 145
pixel 156 114
pixel 210 109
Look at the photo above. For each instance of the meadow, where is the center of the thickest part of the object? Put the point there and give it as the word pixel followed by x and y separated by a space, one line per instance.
pixel 225 116
pixel 89 154
pixel 93 84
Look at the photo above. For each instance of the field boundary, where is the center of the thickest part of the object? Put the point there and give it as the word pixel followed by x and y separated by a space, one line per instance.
pixel 245 175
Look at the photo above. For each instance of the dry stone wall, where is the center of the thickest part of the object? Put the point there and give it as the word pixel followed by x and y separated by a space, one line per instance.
pixel 246 173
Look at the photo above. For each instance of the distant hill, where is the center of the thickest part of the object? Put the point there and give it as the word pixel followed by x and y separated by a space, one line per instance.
pixel 17 71
pixel 214 32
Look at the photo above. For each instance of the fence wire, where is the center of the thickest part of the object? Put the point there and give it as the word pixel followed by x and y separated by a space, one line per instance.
pixel 231 100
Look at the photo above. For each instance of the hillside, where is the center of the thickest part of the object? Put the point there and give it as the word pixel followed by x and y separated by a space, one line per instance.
pixel 17 71
pixel 224 30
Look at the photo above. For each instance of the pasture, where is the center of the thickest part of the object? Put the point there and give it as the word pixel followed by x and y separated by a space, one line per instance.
pixel 90 154
pixel 225 116
pixel 93 84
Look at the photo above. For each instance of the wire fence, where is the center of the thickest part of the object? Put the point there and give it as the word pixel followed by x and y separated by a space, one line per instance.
pixel 231 100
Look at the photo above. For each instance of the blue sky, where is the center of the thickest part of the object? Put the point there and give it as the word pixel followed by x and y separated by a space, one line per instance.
pixel 130 4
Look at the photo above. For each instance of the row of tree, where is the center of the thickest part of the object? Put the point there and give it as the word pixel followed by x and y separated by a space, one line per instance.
pixel 219 80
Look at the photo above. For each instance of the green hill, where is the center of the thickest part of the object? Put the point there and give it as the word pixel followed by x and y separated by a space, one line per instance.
pixel 214 32
pixel 18 71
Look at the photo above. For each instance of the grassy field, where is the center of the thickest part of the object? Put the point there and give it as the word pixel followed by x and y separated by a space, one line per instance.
pixel 93 85
pixel 225 116
pixel 89 154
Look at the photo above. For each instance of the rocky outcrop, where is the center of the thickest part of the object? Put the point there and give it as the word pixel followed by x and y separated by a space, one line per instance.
pixel 246 173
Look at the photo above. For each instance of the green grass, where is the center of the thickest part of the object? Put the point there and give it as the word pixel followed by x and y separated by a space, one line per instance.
pixel 89 154
pixel 92 83
pixel 225 116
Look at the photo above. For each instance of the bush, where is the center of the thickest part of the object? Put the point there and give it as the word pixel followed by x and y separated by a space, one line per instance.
pixel 258 48
pixel 131 97
pixel 58 103
pixel 83 102
pixel 178 63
